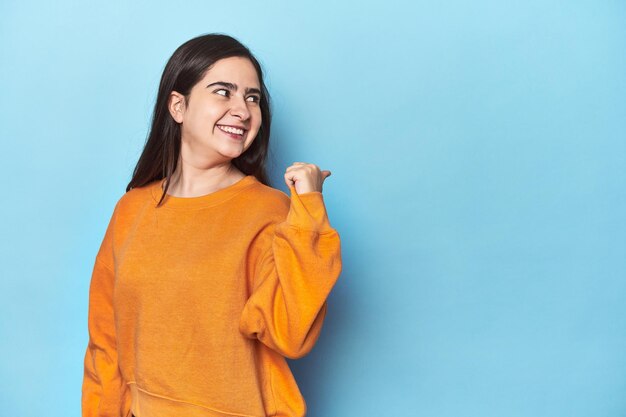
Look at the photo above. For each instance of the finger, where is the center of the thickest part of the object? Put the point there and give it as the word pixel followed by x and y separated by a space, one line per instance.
pixel 293 167
pixel 290 176
pixel 290 181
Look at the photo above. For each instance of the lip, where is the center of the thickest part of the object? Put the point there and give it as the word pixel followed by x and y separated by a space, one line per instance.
pixel 235 126
pixel 233 135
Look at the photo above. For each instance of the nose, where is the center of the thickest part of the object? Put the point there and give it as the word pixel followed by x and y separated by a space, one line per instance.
pixel 239 108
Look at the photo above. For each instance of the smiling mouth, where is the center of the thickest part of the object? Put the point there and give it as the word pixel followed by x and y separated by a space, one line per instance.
pixel 233 131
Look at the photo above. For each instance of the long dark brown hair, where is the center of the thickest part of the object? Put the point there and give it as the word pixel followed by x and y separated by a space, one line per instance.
pixel 185 68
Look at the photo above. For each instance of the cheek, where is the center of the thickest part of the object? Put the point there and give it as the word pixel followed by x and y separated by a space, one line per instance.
pixel 212 114
pixel 258 119
pixel 201 122
pixel 207 111
pixel 255 127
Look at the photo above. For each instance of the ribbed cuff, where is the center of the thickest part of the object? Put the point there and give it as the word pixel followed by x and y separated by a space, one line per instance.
pixel 308 212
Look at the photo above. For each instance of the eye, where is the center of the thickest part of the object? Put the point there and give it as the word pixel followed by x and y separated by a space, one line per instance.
pixel 255 99
pixel 226 92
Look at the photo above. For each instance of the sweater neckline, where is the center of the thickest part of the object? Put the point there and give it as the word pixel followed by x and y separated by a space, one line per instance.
pixel 207 200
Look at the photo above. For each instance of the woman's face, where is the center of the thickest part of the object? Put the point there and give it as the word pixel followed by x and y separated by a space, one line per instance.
pixel 223 113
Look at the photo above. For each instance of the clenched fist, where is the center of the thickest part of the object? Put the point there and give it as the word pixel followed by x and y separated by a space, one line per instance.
pixel 305 177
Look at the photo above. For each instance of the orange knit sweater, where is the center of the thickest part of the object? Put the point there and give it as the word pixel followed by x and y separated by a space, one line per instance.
pixel 193 306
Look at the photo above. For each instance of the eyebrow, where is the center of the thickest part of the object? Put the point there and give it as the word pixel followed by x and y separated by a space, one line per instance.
pixel 233 87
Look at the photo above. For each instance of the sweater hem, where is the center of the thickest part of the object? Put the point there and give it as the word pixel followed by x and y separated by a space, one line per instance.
pixel 147 404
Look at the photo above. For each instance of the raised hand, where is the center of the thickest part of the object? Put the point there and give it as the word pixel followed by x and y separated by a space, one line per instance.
pixel 305 177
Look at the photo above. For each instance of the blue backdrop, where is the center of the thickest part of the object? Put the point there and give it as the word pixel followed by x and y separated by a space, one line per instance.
pixel 478 152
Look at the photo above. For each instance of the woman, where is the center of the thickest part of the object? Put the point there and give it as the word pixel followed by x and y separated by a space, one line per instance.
pixel 207 277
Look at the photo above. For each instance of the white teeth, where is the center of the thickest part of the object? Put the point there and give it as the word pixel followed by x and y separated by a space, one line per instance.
pixel 231 130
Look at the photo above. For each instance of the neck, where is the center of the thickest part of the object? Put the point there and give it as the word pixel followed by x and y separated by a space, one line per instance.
pixel 190 181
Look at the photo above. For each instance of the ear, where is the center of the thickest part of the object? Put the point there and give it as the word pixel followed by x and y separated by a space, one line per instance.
pixel 176 106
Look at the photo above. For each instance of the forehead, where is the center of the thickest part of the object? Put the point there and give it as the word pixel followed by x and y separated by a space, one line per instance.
pixel 237 70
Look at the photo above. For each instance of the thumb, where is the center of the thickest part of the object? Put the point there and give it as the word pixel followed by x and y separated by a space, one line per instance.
pixel 326 174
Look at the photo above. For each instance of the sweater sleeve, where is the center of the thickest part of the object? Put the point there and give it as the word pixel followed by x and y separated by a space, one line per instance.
pixel 293 279
pixel 104 393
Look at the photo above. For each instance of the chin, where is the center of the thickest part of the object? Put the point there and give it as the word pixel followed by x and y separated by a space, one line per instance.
pixel 231 153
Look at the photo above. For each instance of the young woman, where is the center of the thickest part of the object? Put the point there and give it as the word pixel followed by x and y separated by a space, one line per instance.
pixel 208 278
